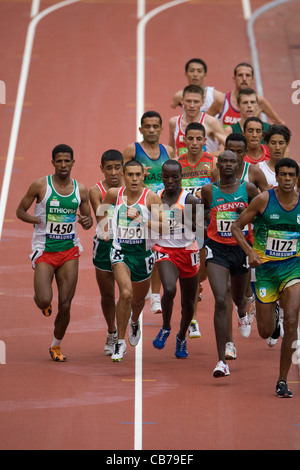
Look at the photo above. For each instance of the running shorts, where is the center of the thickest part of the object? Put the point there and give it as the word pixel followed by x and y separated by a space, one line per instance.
pixel 271 278
pixel 140 267
pixel 231 257
pixel 55 259
pixel 101 254
pixel 187 261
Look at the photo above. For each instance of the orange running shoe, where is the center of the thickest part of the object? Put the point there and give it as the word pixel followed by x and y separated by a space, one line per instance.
pixel 56 354
pixel 47 311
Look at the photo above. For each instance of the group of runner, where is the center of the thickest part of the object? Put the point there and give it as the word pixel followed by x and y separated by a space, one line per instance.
pixel 222 197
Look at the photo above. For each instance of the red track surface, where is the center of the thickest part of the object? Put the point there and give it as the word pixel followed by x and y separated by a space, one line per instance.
pixel 81 91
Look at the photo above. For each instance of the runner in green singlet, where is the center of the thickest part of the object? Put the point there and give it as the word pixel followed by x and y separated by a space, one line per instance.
pixel 56 247
pixel 137 211
pixel 275 257
pixel 112 167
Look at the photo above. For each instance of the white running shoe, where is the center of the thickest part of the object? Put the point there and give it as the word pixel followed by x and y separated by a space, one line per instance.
pixel 134 332
pixel 111 340
pixel 230 351
pixel 244 326
pixel 119 352
pixel 221 370
pixel 251 308
pixel 194 331
pixel 155 303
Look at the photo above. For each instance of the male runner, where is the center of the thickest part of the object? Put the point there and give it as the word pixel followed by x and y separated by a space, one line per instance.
pixel 275 257
pixel 226 106
pixel 55 245
pixel 223 200
pixel 195 72
pixel 198 168
pixel 152 155
pixel 137 212
pixel 177 255
pixel 112 168
pixel 192 100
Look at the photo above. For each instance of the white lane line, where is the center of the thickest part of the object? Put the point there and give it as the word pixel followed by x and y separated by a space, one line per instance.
pixel 250 30
pixel 35 7
pixel 19 103
pixel 140 72
pixel 246 9
pixel 140 99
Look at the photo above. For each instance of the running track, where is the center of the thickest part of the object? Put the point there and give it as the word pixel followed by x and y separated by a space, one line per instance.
pixel 81 90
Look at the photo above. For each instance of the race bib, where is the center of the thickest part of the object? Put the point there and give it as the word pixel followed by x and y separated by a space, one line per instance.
pixel 282 244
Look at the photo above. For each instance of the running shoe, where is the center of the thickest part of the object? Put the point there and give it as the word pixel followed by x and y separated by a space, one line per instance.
pixel 244 326
pixel 155 304
pixel 194 331
pixel 119 352
pixel 282 390
pixel 251 308
pixel 161 338
pixel 134 332
pixel 111 340
pixel 200 292
pixel 221 370
pixel 230 351
pixel 180 351
pixel 47 312
pixel 272 340
pixel 56 354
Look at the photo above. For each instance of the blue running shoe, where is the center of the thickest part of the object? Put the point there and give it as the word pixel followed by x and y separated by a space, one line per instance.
pixel 181 351
pixel 161 338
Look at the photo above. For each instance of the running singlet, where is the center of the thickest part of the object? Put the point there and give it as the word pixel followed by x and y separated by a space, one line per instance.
pixel 276 231
pixel 196 176
pixel 179 135
pixel 229 115
pixel 153 180
pixel 57 230
pixel 265 156
pixel 110 214
pixel 269 174
pixel 181 234
pixel 245 175
pixel 129 236
pixel 223 213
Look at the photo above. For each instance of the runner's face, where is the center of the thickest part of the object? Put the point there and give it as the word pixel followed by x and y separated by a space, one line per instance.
pixel 112 170
pixel 243 77
pixel 287 179
pixel 238 148
pixel 63 164
pixel 228 164
pixel 133 178
pixel 171 178
pixel 277 146
pixel 195 74
pixel 248 106
pixel 253 134
pixel 192 103
pixel 151 130
pixel 194 141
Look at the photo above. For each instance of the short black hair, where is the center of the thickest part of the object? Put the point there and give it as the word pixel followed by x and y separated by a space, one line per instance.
pixel 174 163
pixel 111 155
pixel 278 129
pixel 236 137
pixel 288 162
pixel 253 118
pixel 150 114
pixel 195 126
pixel 62 148
pixel 198 61
pixel 132 163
